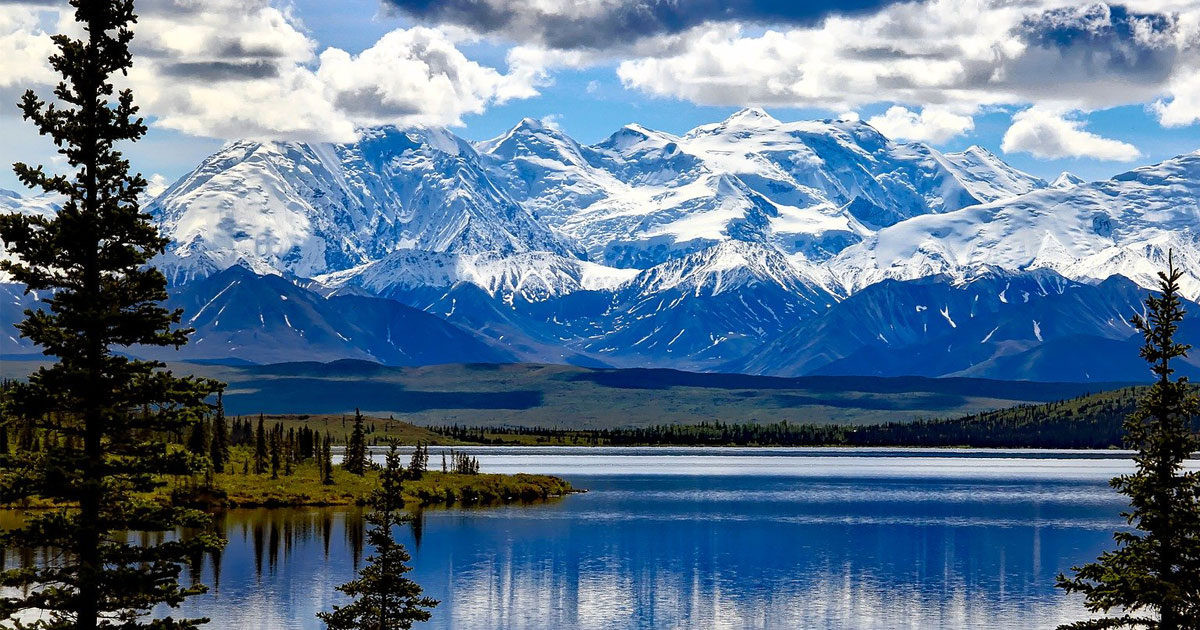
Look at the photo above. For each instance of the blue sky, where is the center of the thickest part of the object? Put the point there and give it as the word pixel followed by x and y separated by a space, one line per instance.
pixel 1049 86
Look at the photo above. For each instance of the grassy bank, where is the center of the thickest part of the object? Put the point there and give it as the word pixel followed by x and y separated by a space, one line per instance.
pixel 304 488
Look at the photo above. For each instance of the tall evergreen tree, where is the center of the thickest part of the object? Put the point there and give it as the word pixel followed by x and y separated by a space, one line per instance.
pixel 98 410
pixel 197 442
pixel 260 448
pixel 275 448
pixel 418 464
pixel 355 458
pixel 327 461
pixel 384 599
pixel 1153 577
pixel 219 451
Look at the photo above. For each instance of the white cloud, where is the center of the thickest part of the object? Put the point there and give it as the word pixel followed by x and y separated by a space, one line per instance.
pixel 415 75
pixel 932 124
pixel 156 184
pixel 248 69
pixel 23 48
pixel 955 54
pixel 1183 107
pixel 1048 135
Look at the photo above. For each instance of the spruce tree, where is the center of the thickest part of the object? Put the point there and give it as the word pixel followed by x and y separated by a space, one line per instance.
pixel 384 599
pixel 101 414
pixel 219 451
pixel 275 446
pixel 1153 577
pixel 327 461
pixel 355 458
pixel 198 440
pixel 260 448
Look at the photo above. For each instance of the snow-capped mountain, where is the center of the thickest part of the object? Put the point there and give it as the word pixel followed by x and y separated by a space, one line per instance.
pixel 44 205
pixel 710 306
pixel 748 244
pixel 1066 180
pixel 307 209
pixel 989 178
pixel 809 188
pixel 1125 225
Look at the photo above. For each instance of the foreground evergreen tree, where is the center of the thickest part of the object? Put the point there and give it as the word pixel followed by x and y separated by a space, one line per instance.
pixel 103 418
pixel 384 599
pixel 1153 577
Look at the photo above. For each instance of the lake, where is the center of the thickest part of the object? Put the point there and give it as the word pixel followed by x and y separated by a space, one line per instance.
pixel 712 538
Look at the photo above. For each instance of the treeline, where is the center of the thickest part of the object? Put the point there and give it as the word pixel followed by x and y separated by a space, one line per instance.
pixel 1093 421
pixel 246 445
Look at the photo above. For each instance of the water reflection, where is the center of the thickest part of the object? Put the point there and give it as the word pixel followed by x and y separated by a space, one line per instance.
pixel 818 548
pixel 617 560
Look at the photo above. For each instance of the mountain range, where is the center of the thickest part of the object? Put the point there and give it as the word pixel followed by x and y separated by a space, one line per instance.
pixel 749 245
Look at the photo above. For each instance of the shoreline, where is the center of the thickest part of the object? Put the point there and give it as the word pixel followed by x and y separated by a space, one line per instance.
pixel 302 489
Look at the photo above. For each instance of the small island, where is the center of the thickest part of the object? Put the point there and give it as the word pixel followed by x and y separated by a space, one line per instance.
pixel 287 461
pixel 304 487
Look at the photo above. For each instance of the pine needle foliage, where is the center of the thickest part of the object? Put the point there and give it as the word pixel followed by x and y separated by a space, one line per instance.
pixel 103 419
pixel 1153 577
pixel 384 599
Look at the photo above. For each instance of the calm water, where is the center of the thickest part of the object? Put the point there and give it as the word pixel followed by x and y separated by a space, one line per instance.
pixel 697 538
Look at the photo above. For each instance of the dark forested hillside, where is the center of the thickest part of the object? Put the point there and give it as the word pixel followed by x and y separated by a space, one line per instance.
pixel 1092 421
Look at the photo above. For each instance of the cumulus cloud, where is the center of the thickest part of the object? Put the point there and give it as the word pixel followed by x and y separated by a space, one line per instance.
pixel 416 75
pixel 930 125
pixel 23 48
pixel 248 69
pixel 940 52
pixel 1183 106
pixel 1048 135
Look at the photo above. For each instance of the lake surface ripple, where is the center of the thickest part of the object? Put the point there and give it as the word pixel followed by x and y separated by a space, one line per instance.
pixel 711 538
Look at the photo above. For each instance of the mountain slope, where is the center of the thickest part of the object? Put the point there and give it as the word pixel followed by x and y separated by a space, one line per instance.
pixel 1125 225
pixel 988 178
pixel 307 209
pixel 1036 325
pixel 239 315
pixel 810 188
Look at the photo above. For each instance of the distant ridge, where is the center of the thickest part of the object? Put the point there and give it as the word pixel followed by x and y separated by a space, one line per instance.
pixel 543 395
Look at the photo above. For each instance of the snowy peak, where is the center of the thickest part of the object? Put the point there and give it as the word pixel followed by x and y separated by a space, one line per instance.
pixel 532 138
pixel 989 178
pixel 308 209
pixel 1066 180
pixel 751 117
pixel 634 138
